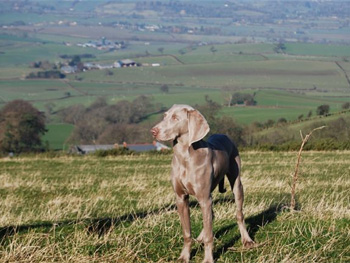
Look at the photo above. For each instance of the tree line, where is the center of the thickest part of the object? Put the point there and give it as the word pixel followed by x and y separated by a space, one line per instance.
pixel 22 126
pixel 101 123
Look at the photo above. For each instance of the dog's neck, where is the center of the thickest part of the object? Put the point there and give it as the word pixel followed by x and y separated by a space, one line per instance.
pixel 183 139
pixel 181 144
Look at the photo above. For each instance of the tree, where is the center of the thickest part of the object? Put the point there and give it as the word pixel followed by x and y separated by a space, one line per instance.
pixel 164 88
pixel 282 121
pixel 227 125
pixel 72 114
pixel 101 122
pixel 49 109
pixel 280 48
pixel 242 98
pixel 224 125
pixel 346 106
pixel 182 51
pixel 75 61
pixel 161 50
pixel 322 109
pixel 109 73
pixel 21 127
pixel 309 114
pixel 209 110
pixel 269 123
pixel 213 49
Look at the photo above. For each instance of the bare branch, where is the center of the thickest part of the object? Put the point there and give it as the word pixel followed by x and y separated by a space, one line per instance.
pixel 295 176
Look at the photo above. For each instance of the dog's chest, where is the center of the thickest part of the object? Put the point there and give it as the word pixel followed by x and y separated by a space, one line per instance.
pixel 188 177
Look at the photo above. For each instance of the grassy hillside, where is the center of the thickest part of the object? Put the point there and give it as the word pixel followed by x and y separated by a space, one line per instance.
pixel 74 209
pixel 336 130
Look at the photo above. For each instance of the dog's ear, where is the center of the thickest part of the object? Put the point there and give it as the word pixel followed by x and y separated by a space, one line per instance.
pixel 198 126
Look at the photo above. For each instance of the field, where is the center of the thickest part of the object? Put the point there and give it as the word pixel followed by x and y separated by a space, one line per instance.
pixel 203 51
pixel 304 82
pixel 121 209
pixel 285 85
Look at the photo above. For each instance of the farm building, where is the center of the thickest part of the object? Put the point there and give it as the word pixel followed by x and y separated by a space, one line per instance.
pixel 127 63
pixel 147 147
pixel 86 149
pixel 68 69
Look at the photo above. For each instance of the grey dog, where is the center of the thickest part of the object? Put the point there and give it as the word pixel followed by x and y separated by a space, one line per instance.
pixel 197 168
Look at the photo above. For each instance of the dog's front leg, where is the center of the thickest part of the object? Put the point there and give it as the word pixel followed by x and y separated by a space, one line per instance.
pixel 182 203
pixel 207 236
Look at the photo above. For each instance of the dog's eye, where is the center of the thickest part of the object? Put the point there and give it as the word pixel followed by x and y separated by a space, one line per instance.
pixel 174 117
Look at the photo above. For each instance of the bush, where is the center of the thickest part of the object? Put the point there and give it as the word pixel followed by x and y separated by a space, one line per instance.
pixel 313 145
pixel 114 152
pixel 346 106
pixel 322 109
pixel 162 152
pixel 50 74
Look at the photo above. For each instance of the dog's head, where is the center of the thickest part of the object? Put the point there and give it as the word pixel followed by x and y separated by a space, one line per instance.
pixel 180 120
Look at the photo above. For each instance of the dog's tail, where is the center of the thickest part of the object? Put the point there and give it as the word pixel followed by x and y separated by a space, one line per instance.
pixel 222 188
pixel 237 172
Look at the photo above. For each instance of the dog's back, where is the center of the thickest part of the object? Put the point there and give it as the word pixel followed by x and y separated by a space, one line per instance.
pixel 223 143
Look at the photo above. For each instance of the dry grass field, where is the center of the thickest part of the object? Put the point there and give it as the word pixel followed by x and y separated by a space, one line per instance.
pixel 121 209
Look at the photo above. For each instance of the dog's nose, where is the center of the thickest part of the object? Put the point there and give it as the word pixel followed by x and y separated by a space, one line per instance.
pixel 155 131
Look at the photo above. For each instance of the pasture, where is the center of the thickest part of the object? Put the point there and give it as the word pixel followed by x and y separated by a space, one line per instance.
pixel 121 209
pixel 285 85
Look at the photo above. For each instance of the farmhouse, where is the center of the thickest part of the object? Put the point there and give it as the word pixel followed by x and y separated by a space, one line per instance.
pixel 146 147
pixel 127 63
pixel 118 64
pixel 68 69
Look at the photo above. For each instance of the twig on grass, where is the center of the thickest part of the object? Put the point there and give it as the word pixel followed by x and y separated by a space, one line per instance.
pixel 295 176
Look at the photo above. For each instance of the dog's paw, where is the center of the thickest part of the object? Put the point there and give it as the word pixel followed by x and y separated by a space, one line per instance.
pixel 249 244
pixel 184 256
pixel 183 259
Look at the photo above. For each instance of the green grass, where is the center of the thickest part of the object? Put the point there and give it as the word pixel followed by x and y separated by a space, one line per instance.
pixel 89 209
pixel 57 135
pixel 248 115
pixel 280 74
pixel 318 50
pixel 11 17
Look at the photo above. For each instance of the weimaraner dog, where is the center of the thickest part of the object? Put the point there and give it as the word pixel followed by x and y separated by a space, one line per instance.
pixel 197 168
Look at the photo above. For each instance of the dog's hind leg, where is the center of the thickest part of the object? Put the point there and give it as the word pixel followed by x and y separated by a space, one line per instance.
pixel 237 189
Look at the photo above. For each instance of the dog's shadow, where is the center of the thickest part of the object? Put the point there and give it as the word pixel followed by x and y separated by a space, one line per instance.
pixel 254 223
pixel 101 226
